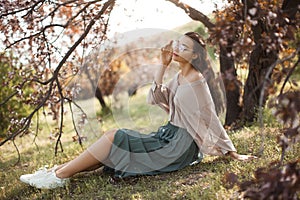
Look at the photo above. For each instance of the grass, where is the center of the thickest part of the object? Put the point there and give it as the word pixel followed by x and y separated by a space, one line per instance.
pixel 202 181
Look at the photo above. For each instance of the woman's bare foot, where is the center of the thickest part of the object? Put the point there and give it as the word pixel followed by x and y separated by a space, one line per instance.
pixel 240 157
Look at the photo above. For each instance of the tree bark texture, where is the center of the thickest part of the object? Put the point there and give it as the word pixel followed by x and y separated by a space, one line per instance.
pixel 99 96
pixel 232 88
pixel 260 62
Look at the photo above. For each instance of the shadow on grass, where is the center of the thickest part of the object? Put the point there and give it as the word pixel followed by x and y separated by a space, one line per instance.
pixel 206 167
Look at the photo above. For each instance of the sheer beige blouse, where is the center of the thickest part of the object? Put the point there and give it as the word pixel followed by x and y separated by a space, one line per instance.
pixel 190 106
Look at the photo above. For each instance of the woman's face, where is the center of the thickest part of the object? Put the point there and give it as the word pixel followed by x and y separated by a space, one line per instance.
pixel 183 50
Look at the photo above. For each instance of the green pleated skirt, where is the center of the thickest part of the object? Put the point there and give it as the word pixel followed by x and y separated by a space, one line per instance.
pixel 169 149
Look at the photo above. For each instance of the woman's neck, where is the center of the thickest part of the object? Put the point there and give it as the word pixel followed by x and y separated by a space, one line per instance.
pixel 186 69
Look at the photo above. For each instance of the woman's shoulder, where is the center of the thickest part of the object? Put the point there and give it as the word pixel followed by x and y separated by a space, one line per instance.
pixel 196 77
pixel 192 81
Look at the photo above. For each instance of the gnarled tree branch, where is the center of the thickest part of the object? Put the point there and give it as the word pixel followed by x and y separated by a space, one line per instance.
pixel 194 14
pixel 106 8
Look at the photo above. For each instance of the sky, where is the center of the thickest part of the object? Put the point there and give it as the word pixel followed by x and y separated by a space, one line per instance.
pixel 138 14
pixel 130 15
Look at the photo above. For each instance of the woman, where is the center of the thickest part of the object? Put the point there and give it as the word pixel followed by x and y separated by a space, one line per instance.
pixel 193 126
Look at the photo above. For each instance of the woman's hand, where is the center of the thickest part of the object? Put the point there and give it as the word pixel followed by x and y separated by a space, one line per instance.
pixel 240 157
pixel 166 54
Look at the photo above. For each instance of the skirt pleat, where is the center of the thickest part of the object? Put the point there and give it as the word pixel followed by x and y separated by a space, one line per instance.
pixel 169 149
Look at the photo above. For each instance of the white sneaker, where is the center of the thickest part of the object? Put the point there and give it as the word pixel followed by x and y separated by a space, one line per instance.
pixel 27 177
pixel 48 181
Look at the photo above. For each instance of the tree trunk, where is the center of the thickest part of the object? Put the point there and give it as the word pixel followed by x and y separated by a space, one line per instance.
pixel 259 64
pixel 98 95
pixel 232 87
pixel 95 87
pixel 290 8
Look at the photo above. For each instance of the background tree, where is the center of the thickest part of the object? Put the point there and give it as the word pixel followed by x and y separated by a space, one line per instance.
pixel 104 69
pixel 53 37
pixel 251 36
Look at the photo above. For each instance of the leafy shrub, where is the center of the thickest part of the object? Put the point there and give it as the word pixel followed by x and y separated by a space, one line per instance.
pixel 12 98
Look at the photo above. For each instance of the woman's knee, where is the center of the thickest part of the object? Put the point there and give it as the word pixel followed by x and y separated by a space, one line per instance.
pixel 110 134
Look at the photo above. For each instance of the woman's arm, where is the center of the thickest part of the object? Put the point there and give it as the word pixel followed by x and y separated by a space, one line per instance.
pixel 165 58
pixel 159 75
pixel 159 94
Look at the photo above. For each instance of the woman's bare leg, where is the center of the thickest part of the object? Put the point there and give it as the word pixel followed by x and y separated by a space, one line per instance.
pixel 90 158
pixel 88 169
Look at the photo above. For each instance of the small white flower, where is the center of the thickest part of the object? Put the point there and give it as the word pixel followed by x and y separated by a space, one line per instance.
pixel 252 11
pixel 272 15
pixel 254 22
